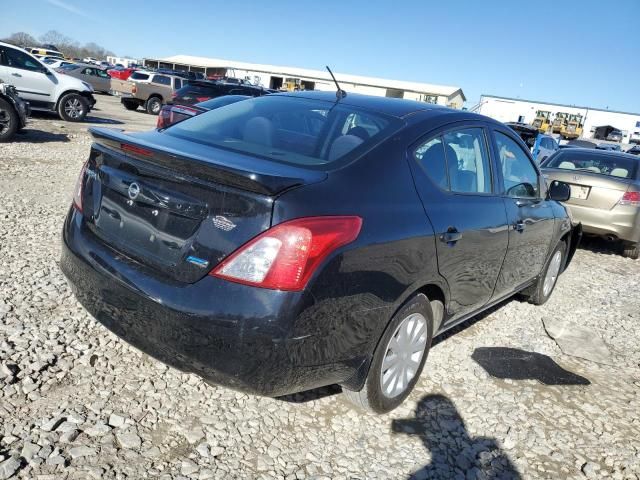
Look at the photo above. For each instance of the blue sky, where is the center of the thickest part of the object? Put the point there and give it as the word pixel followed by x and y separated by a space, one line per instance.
pixel 578 52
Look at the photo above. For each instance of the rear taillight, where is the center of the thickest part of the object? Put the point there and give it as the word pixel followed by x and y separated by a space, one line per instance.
pixel 203 99
pixel 78 190
pixel 285 256
pixel 163 117
pixel 630 198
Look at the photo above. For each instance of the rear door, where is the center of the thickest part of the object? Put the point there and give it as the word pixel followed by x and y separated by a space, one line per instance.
pixel 102 80
pixel 27 75
pixel 455 181
pixel 530 216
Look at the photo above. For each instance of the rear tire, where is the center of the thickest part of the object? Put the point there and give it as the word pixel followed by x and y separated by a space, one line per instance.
pixel 398 359
pixel 540 292
pixel 154 105
pixel 631 250
pixel 73 107
pixel 129 105
pixel 8 121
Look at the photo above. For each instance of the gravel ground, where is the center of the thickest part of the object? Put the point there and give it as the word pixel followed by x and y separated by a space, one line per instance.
pixel 77 402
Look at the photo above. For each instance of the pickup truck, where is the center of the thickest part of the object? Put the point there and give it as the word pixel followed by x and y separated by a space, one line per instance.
pixel 146 89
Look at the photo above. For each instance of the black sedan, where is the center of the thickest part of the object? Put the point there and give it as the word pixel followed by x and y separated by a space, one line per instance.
pixel 292 241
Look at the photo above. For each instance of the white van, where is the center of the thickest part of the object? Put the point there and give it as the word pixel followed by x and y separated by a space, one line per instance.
pixel 44 89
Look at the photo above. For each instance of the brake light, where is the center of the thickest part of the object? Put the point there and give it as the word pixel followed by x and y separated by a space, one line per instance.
pixel 164 117
pixel 202 99
pixel 125 147
pixel 630 198
pixel 79 188
pixel 285 256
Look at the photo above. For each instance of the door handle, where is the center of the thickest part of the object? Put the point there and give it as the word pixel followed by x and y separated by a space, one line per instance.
pixel 519 227
pixel 16 75
pixel 451 236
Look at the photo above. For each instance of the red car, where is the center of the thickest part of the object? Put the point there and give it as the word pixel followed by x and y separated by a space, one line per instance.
pixel 121 73
pixel 172 114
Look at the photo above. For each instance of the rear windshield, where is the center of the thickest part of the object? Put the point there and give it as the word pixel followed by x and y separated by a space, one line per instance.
pixel 291 130
pixel 613 165
pixel 139 76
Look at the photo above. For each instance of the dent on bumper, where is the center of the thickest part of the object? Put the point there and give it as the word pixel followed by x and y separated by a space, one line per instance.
pixel 229 337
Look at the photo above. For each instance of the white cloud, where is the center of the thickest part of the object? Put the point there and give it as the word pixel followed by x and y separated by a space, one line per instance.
pixel 68 7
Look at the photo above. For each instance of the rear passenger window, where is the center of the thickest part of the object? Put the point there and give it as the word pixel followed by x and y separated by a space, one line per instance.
pixel 162 80
pixel 520 176
pixel 467 161
pixel 430 159
pixel 177 84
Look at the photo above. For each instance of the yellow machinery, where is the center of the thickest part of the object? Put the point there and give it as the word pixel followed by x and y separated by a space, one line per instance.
pixel 542 121
pixel 291 84
pixel 559 121
pixel 573 127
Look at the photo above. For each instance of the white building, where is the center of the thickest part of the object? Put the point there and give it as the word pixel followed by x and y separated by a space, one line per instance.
pixel 517 110
pixel 123 61
pixel 278 77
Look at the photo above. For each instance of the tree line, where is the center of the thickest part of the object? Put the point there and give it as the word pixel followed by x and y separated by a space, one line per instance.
pixel 68 46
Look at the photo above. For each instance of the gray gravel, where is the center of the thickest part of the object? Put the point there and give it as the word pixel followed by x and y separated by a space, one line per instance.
pixel 76 402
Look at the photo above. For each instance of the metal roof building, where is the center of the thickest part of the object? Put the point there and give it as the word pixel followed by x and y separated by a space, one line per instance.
pixel 273 76
pixel 507 109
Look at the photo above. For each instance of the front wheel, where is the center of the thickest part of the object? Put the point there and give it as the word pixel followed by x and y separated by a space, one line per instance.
pixel 540 292
pixel 73 107
pixel 398 359
pixel 8 121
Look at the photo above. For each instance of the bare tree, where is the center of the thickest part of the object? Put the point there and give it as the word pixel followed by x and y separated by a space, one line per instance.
pixel 68 46
pixel 21 39
pixel 53 37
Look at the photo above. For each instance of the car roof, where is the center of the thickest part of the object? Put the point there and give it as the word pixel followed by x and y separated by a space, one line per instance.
pixel 396 107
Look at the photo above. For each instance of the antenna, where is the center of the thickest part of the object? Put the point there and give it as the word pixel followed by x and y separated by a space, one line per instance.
pixel 340 93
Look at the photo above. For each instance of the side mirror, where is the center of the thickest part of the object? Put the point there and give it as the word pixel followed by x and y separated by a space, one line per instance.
pixel 559 191
pixel 47 71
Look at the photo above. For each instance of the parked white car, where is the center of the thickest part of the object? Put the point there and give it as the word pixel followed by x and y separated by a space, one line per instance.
pixel 44 89
pixel 53 64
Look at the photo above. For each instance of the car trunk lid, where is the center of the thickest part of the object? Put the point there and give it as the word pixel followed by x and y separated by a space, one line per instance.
pixel 590 189
pixel 177 207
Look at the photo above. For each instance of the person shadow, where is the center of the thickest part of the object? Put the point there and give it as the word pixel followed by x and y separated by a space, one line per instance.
pixel 454 453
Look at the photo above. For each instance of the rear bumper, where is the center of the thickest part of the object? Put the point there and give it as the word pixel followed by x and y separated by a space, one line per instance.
pixel 233 335
pixel 621 222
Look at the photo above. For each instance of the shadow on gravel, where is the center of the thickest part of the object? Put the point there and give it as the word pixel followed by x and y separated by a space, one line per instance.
pixel 600 245
pixel 454 453
pixel 516 364
pixel 310 395
pixel 29 135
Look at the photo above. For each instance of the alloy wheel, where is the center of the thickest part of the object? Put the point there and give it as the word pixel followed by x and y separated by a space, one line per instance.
pixel 73 108
pixel 5 121
pixel 403 355
pixel 552 273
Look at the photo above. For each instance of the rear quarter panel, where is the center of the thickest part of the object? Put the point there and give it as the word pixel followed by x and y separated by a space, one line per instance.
pixel 356 291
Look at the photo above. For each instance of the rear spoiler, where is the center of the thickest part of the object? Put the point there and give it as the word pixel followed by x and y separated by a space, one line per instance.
pixel 203 162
